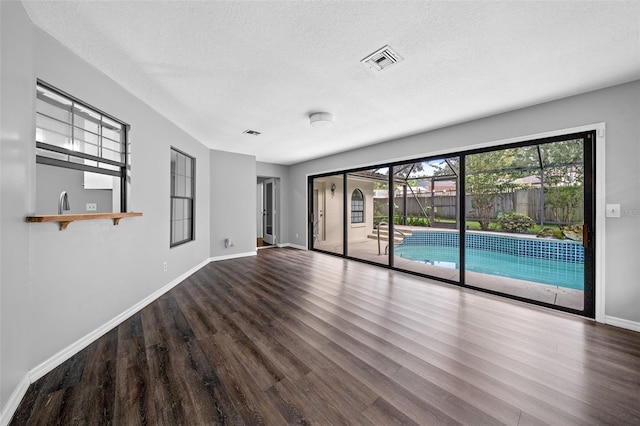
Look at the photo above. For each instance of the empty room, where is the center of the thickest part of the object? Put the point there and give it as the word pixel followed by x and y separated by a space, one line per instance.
pixel 319 212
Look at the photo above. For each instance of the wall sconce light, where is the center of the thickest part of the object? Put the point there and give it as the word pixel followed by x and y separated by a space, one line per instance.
pixel 333 189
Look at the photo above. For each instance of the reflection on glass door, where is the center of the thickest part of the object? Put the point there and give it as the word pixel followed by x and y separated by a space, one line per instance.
pixel 327 218
pixel 525 215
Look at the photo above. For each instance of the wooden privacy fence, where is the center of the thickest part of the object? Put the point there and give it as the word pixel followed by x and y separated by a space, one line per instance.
pixel 524 201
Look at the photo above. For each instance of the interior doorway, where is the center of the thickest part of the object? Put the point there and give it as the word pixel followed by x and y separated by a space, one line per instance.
pixel 267 213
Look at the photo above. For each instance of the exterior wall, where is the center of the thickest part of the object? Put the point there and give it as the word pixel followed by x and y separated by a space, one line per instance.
pixel 618 107
pixel 359 231
pixel 333 209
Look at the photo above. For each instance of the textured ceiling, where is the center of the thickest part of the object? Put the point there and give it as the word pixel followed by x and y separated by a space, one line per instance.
pixel 218 68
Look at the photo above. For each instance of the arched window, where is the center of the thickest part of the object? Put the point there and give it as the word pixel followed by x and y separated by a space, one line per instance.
pixel 357 206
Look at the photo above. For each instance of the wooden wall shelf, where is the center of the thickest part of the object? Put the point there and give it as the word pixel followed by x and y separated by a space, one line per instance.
pixel 66 219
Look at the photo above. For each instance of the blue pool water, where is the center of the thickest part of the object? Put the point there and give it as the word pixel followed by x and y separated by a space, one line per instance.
pixel 547 271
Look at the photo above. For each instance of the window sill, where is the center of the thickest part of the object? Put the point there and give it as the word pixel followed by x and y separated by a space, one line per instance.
pixel 65 219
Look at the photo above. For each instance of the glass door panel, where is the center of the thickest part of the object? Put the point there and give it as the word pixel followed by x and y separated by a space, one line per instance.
pixel 524 218
pixel 328 212
pixel 426 203
pixel 368 215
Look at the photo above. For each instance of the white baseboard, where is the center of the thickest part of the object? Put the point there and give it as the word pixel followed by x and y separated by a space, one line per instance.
pixel 622 323
pixel 233 256
pixel 296 246
pixel 66 353
pixel 14 400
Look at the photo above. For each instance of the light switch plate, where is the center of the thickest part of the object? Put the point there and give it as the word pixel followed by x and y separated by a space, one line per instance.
pixel 613 210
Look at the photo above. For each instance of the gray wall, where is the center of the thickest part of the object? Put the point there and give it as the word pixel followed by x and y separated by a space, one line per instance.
pixel 233 203
pixel 51 181
pixel 618 106
pixel 59 286
pixel 16 124
pixel 269 170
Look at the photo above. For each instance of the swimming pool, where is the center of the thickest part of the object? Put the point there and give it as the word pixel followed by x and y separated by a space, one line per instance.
pixel 551 262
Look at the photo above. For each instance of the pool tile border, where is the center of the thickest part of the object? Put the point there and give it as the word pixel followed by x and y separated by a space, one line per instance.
pixel 565 251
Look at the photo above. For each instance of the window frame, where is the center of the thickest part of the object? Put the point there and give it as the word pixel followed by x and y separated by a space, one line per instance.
pixel 360 211
pixel 123 166
pixel 191 199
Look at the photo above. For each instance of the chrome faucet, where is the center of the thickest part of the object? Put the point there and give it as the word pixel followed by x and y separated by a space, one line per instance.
pixel 63 204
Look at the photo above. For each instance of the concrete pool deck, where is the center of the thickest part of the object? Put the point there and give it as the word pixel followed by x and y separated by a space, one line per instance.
pixel 553 295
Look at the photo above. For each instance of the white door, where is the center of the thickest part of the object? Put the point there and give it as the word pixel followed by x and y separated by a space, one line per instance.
pixel 269 212
pixel 318 213
pixel 260 204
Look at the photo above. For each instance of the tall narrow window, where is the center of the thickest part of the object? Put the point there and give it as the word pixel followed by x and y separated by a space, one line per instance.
pixel 357 206
pixel 182 197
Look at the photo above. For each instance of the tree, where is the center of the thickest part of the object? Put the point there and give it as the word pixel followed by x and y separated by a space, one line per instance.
pixel 489 176
pixel 564 178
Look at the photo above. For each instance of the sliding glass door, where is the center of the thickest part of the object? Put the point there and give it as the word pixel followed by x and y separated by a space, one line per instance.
pixel 527 215
pixel 426 219
pixel 516 220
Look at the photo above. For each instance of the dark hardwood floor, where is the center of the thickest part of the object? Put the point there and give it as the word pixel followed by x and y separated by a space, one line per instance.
pixel 296 337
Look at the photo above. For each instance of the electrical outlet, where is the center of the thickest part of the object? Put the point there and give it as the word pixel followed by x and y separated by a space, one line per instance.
pixel 92 207
pixel 164 266
pixel 613 210
pixel 296 235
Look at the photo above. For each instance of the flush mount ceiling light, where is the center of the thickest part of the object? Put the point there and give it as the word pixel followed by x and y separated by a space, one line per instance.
pixel 321 120
pixel 382 58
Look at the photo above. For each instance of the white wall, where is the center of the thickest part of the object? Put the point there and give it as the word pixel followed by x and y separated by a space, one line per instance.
pixel 618 106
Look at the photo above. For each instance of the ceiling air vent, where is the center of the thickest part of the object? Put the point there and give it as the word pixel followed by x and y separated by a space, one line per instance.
pixel 382 58
pixel 251 132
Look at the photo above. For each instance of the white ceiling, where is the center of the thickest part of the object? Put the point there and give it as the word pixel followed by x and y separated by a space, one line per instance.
pixel 218 68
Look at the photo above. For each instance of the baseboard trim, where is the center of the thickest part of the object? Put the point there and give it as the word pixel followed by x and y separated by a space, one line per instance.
pixel 233 256
pixel 296 246
pixel 14 400
pixel 622 323
pixel 66 353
